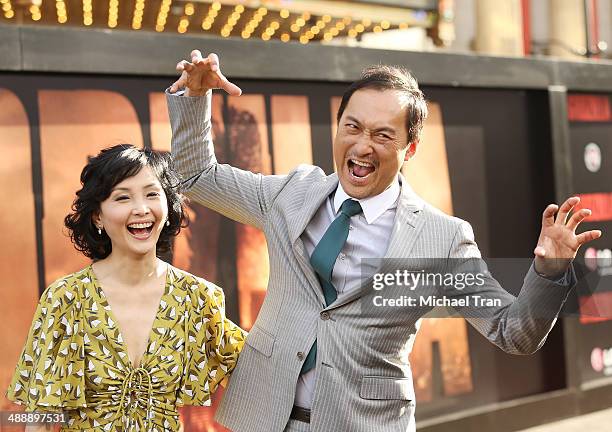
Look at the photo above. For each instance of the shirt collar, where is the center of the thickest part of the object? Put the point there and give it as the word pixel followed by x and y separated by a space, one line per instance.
pixel 374 206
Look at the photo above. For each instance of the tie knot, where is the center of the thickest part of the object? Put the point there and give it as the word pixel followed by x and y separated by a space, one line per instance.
pixel 351 207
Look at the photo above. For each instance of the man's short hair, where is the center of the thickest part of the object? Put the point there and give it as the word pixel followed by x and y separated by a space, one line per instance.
pixel 383 77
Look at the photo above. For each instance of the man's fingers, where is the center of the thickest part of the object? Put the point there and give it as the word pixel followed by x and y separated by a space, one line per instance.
pixel 196 55
pixel 229 87
pixel 179 83
pixel 578 217
pixel 214 62
pixel 588 236
pixel 565 208
pixel 184 65
pixel 175 86
pixel 202 67
pixel 548 216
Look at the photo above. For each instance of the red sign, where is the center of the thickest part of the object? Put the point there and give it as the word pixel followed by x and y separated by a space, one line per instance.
pixel 599 203
pixel 596 308
pixel 588 108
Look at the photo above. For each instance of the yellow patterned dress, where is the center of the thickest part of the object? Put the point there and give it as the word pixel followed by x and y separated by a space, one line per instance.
pixel 75 359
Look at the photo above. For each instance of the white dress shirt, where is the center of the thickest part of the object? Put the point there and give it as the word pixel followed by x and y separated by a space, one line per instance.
pixel 369 236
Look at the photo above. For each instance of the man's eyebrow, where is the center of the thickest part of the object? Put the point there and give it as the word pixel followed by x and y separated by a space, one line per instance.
pixel 353 119
pixel 380 129
pixel 385 129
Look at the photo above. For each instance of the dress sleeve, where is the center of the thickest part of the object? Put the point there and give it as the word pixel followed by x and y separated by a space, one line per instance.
pixel 50 372
pixel 213 345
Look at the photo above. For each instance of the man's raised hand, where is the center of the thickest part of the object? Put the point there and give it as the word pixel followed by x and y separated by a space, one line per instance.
pixel 558 242
pixel 202 74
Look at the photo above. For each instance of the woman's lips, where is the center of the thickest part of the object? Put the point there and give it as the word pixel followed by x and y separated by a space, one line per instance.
pixel 140 231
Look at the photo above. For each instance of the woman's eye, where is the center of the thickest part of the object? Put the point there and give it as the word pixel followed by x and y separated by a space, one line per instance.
pixel 153 194
pixel 121 198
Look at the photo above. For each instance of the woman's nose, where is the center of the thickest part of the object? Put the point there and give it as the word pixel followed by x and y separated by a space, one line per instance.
pixel 141 208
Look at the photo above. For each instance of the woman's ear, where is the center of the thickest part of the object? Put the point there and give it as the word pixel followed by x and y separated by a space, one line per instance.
pixel 95 219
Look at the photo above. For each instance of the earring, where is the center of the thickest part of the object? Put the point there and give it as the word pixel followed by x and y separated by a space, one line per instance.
pixel 100 230
pixel 167 222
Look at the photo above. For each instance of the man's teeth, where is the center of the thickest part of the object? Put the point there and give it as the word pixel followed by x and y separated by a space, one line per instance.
pixel 363 164
pixel 141 225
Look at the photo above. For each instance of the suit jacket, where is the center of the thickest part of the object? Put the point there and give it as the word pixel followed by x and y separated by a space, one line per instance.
pixel 364 381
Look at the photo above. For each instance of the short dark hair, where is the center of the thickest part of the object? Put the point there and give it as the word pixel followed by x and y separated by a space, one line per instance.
pixel 382 77
pixel 101 174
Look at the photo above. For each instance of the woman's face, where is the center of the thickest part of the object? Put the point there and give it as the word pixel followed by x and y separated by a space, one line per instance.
pixel 134 214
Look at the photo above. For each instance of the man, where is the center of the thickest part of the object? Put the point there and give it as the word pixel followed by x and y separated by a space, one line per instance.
pixel 313 360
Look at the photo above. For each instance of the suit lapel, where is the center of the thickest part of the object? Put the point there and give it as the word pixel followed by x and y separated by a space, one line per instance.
pixel 407 227
pixel 408 223
pixel 314 198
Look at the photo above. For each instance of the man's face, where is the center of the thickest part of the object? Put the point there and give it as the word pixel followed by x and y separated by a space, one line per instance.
pixel 371 143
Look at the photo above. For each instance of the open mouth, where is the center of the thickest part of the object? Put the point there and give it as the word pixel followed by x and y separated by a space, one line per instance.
pixel 360 169
pixel 140 230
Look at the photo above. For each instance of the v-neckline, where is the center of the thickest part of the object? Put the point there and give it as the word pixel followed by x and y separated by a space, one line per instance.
pixel 103 301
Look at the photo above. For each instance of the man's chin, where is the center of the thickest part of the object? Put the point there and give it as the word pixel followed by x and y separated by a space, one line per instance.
pixel 356 191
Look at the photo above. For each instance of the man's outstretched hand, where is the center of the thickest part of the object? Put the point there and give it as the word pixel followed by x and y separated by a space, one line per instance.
pixel 558 242
pixel 202 74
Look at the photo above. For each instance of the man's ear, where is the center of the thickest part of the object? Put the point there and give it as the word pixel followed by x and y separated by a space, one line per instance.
pixel 411 150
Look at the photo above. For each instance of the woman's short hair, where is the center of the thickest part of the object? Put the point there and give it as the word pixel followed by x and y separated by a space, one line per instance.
pixel 101 174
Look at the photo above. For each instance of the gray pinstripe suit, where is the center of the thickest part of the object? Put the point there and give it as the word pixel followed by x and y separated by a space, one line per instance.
pixel 364 380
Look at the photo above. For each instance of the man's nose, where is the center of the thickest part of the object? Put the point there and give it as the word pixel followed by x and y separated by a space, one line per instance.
pixel 363 145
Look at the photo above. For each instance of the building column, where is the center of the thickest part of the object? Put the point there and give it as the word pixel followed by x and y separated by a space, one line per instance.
pixel 499 27
pixel 567 36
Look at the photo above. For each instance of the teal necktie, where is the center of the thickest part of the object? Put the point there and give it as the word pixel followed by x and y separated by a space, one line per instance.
pixel 324 257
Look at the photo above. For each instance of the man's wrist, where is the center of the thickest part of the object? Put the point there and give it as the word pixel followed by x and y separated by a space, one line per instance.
pixel 558 278
pixel 195 93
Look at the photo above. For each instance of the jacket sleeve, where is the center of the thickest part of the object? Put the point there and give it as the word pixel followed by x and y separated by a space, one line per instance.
pixel 518 325
pixel 240 195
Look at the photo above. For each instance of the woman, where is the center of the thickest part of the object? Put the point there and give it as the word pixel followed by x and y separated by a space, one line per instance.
pixel 120 344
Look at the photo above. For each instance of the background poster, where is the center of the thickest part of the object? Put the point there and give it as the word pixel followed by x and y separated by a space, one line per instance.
pixel 487 165
pixel 590 129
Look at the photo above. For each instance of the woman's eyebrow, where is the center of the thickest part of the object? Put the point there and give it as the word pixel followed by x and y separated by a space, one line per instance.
pixel 150 185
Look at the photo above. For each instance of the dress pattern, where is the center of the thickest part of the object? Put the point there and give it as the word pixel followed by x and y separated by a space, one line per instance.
pixel 75 359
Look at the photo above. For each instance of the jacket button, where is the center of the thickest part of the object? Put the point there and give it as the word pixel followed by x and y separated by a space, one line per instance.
pixel 300 356
pixel 325 315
